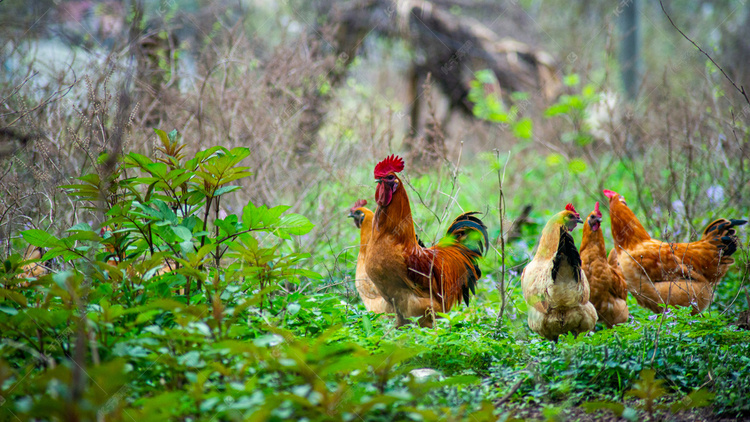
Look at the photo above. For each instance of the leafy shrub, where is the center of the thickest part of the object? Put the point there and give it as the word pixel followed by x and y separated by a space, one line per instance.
pixel 175 311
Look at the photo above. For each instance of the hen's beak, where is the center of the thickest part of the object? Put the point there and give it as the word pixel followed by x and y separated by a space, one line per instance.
pixel 579 221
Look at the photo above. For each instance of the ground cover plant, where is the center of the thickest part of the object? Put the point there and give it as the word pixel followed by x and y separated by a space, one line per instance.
pixel 195 260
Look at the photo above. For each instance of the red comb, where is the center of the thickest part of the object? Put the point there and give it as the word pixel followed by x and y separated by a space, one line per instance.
pixel 570 208
pixel 609 194
pixel 596 210
pixel 391 164
pixel 358 204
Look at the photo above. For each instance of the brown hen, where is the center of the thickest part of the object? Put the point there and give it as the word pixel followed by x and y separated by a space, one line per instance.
pixel 680 274
pixel 609 291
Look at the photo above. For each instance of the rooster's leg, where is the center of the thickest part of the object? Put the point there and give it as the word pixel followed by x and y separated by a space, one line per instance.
pixel 400 320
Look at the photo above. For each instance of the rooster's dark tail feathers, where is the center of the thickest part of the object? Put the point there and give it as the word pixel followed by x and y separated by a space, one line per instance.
pixel 467 229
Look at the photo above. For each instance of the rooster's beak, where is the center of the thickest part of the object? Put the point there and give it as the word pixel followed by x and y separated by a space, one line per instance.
pixel 579 221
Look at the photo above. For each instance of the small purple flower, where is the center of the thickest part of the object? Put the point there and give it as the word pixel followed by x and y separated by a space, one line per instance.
pixel 715 194
pixel 678 207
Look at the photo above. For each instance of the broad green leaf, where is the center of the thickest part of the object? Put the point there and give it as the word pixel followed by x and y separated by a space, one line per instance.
pixel 39 238
pixel 226 189
pixel 14 296
pixel 273 214
pixel 571 80
pixel 523 128
pixel 182 232
pixel 556 110
pixel 577 166
pixel 295 224
pixel 698 398
pixel 137 160
pixel 554 160
pixel 162 135
pixel 82 227
pixel 8 310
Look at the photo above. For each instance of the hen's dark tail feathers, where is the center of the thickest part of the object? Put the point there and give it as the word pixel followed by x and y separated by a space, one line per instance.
pixel 722 233
pixel 566 250
pixel 465 229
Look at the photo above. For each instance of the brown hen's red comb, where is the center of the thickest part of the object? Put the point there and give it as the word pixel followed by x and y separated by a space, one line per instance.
pixel 596 210
pixel 359 204
pixel 391 164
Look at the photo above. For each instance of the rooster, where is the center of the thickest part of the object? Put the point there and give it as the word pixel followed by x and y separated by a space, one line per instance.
pixel 414 279
pixel 554 284
pixel 370 295
pixel 608 289
pixel 660 273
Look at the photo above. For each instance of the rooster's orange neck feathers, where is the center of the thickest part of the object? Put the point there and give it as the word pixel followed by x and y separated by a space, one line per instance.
pixel 396 218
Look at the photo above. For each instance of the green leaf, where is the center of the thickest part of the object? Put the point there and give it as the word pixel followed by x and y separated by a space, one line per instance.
pixel 172 136
pixel 571 80
pixel 272 215
pixel 698 398
pixel 557 109
pixel 577 166
pixel 137 160
pixel 228 224
pixel 293 308
pixel 182 232
pixel 554 160
pixel 8 310
pixel 584 139
pixel 81 227
pixel 523 128
pixel 252 215
pixel 367 325
pixel 16 297
pixel 39 238
pixel 295 224
pixel 590 92
pixel 226 189
pixel 162 135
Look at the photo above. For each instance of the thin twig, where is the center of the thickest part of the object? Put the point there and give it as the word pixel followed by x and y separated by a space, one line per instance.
pixel 513 389
pixel 740 89
pixel 501 236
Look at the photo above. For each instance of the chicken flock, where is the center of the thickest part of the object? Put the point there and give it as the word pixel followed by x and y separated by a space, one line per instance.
pixel 567 290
